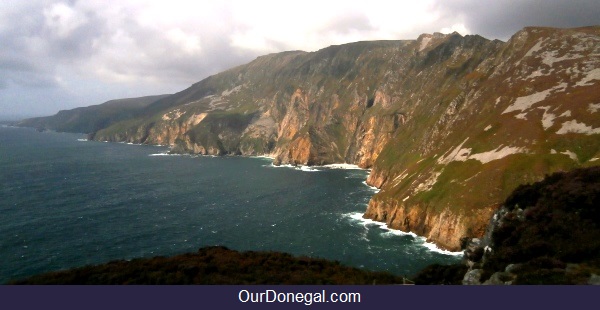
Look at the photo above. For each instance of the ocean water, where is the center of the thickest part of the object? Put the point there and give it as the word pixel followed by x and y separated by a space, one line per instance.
pixel 66 202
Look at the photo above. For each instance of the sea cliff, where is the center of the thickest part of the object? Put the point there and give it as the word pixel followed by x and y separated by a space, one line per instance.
pixel 448 124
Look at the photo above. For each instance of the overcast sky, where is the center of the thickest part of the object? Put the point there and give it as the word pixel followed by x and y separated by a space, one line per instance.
pixel 63 54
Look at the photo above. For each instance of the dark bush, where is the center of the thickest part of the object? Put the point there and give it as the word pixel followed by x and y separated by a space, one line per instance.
pixel 437 274
pixel 560 224
pixel 218 265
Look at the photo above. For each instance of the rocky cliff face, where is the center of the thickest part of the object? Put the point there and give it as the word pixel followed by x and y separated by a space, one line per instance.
pixel 446 227
pixel 528 110
pixel 448 124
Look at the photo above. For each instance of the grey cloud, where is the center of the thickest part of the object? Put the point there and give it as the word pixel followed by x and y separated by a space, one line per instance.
pixel 502 18
pixel 348 22
pixel 31 52
pixel 79 43
pixel 155 56
pixel 15 57
pixel 33 80
pixel 11 63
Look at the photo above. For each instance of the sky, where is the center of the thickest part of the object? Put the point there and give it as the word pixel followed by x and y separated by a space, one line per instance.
pixel 57 55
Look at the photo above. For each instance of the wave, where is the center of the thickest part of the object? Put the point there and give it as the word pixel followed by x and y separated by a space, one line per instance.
pixel 343 166
pixel 314 168
pixel 301 168
pixel 373 188
pixel 271 165
pixel 308 168
pixel 164 154
pixel 184 155
pixel 434 248
pixel 262 157
pixel 357 217
pixel 83 140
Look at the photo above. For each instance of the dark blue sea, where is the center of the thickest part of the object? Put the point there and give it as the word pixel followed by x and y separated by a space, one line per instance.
pixel 66 202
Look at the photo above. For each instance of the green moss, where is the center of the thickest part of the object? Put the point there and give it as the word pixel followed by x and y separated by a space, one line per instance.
pixel 584 146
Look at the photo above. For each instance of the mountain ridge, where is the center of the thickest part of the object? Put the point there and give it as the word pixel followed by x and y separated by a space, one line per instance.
pixel 449 124
pixel 92 118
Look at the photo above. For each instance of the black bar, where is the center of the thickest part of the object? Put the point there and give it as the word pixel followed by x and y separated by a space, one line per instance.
pixel 227 297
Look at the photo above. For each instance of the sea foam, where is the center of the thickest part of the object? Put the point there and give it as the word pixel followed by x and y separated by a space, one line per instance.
pixel 164 154
pixel 262 157
pixel 373 188
pixel 314 168
pixel 357 217
pixel 301 168
pixel 434 248
pixel 271 165
pixel 343 166
pixel 309 168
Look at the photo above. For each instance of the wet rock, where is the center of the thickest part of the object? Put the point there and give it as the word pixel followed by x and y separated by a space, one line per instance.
pixel 472 277
pixel 512 268
pixel 474 251
pixel 500 278
pixel 594 280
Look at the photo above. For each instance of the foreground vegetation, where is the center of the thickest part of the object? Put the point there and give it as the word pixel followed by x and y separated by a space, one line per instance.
pixel 217 265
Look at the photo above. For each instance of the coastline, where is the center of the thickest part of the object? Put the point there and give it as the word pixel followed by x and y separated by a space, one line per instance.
pixel 317 168
pixel 305 168
pixel 357 216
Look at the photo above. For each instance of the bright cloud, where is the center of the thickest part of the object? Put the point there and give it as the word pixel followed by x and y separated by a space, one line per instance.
pixel 62 19
pixel 460 28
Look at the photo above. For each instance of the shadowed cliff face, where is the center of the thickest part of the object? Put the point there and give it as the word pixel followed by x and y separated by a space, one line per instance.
pixel 93 118
pixel 449 125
